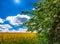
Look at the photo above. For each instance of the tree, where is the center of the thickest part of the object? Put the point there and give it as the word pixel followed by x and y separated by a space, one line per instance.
pixel 46 17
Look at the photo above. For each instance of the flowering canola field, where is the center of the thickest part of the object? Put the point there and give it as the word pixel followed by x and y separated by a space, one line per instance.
pixel 18 38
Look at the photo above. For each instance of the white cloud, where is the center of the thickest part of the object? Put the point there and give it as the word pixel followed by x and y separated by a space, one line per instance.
pixel 18 19
pixel 7 30
pixel 1 20
pixel 13 20
pixel 19 30
pixel 22 30
pixel 5 27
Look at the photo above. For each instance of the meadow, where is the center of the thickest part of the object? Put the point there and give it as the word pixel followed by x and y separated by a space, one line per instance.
pixel 18 38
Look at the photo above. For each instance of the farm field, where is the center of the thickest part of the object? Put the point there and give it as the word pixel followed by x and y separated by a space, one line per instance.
pixel 18 38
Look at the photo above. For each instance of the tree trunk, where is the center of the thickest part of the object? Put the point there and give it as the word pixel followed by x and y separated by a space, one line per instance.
pixel 54 30
pixel 52 33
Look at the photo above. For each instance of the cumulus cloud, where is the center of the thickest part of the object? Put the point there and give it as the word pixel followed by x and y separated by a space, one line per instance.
pixel 19 30
pixel 14 20
pixel 18 19
pixel 2 20
pixel 5 27
pixel 22 30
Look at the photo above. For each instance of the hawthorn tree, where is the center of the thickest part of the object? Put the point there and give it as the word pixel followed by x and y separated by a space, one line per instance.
pixel 46 18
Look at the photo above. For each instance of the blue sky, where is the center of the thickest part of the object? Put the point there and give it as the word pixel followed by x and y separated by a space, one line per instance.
pixel 10 17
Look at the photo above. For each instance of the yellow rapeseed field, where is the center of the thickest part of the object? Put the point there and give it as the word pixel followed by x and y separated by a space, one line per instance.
pixel 17 38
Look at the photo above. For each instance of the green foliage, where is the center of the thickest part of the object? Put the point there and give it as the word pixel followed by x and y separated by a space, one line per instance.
pixel 47 18
pixel 43 37
pixel 45 13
